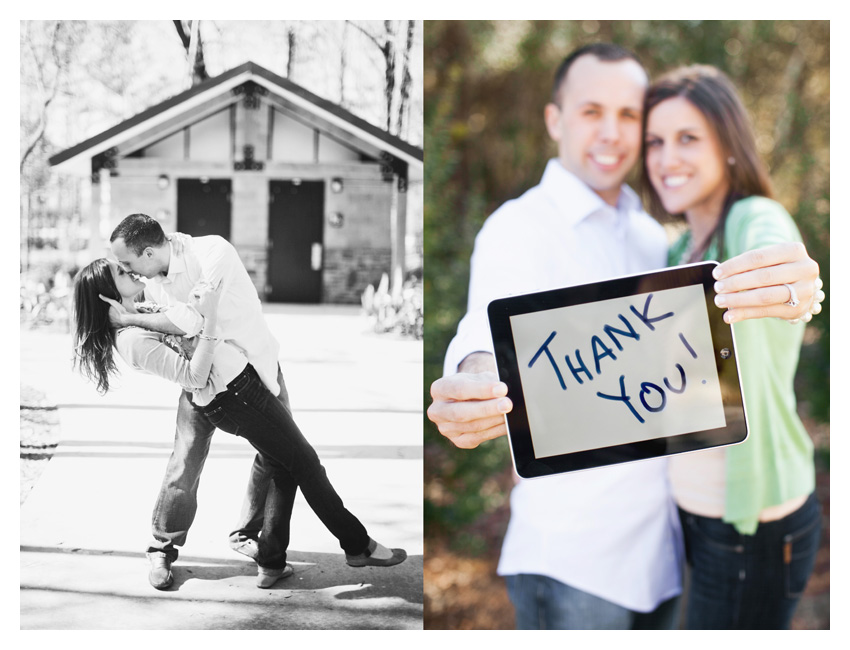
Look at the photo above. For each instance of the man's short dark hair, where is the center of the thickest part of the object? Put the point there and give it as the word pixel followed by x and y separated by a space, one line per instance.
pixel 603 51
pixel 138 232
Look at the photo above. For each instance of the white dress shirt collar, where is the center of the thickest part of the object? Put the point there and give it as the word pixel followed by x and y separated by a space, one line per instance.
pixel 575 200
pixel 176 261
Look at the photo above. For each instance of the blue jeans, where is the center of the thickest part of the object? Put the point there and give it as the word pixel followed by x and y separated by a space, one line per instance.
pixel 177 502
pixel 247 409
pixel 543 603
pixel 749 582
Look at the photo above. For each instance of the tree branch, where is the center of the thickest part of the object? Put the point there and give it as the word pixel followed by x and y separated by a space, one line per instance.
pixel 366 34
pixel 41 124
pixel 181 32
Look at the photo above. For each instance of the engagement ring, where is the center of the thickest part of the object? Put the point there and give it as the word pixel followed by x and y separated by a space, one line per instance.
pixel 794 301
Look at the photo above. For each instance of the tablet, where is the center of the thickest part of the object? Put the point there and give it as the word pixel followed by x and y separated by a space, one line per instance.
pixel 617 371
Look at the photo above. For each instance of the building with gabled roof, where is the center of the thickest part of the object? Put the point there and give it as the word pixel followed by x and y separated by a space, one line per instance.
pixel 315 199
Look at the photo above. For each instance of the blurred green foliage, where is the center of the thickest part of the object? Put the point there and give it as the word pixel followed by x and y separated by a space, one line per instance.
pixel 486 84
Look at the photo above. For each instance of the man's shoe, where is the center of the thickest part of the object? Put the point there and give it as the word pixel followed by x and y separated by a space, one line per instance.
pixel 366 558
pixel 248 547
pixel 160 574
pixel 267 577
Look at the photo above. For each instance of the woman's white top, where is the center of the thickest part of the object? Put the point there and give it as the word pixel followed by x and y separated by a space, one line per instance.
pixel 698 480
pixel 201 367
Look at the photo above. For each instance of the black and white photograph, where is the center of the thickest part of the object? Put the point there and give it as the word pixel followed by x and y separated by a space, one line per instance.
pixel 221 324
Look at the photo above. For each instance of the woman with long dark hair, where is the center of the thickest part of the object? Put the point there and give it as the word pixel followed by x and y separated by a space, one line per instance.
pixel 749 513
pixel 227 389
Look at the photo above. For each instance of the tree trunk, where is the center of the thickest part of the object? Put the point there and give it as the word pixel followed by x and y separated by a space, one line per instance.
pixel 194 46
pixel 342 64
pixel 291 44
pixel 389 73
pixel 406 79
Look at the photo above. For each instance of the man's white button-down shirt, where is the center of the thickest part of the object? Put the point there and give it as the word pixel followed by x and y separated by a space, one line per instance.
pixel 240 312
pixel 612 532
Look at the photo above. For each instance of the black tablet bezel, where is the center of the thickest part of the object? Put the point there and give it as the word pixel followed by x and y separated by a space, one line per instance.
pixel 522 448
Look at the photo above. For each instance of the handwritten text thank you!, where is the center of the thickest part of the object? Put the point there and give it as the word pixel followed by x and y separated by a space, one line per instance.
pixel 618 371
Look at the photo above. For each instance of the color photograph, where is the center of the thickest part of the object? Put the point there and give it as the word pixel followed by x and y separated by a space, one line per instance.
pixel 563 155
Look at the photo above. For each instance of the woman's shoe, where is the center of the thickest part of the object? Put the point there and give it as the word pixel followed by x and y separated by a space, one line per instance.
pixel 366 558
pixel 247 547
pixel 267 577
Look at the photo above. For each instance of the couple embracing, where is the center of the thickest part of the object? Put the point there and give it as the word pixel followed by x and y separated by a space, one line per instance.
pixel 603 549
pixel 205 331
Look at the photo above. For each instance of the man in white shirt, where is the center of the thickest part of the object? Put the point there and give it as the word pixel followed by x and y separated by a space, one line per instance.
pixel 600 548
pixel 174 265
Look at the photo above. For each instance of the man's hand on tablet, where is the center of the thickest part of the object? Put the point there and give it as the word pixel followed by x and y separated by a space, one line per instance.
pixel 469 407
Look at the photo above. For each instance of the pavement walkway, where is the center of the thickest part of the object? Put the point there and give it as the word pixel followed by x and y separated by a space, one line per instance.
pixel 356 395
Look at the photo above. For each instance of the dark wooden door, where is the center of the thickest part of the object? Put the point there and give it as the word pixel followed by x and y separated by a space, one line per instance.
pixel 296 211
pixel 203 206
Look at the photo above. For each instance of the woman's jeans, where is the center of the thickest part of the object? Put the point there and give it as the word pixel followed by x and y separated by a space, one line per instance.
pixel 247 409
pixel 749 582
pixel 177 502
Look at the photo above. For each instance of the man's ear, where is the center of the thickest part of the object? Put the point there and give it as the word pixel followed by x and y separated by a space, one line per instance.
pixel 551 116
pixel 148 252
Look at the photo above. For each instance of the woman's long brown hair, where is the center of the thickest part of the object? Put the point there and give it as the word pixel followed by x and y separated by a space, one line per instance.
pixel 94 337
pixel 712 94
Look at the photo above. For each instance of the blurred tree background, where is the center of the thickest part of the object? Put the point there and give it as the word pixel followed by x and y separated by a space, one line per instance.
pixel 486 83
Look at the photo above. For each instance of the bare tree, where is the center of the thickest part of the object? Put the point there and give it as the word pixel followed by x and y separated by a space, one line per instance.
pixel 50 66
pixel 406 79
pixel 343 62
pixel 385 43
pixel 291 44
pixel 190 36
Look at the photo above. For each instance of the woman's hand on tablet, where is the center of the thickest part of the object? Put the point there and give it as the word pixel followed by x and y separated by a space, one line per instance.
pixel 756 284
pixel 469 407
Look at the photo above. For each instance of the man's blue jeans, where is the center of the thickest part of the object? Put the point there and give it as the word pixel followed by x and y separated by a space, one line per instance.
pixel 543 603
pixel 749 582
pixel 247 409
pixel 177 502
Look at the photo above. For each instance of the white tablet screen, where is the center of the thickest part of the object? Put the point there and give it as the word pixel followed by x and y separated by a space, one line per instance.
pixel 618 371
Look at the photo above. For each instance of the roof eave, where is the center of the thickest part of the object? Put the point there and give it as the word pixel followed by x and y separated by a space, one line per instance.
pixel 76 159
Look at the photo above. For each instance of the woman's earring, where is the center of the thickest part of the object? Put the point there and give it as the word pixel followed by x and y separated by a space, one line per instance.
pixel 731 160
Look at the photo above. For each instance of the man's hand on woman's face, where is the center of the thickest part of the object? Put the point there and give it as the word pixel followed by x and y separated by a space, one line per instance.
pixel 116 311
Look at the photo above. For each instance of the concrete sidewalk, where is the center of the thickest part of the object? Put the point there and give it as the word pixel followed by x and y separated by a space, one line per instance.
pixel 357 397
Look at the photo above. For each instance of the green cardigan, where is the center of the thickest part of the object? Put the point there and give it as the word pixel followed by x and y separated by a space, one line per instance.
pixel 776 462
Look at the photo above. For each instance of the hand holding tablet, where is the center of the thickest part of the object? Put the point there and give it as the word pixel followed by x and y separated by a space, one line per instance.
pixel 616 371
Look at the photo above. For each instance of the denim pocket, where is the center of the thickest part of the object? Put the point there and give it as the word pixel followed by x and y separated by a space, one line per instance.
pixel 220 419
pixel 713 533
pixel 799 551
pixel 252 394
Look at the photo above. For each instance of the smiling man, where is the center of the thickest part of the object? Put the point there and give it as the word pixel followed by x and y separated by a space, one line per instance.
pixel 595 118
pixel 599 549
pixel 174 266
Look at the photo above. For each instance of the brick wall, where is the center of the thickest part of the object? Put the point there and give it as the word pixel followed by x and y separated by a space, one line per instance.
pixel 348 271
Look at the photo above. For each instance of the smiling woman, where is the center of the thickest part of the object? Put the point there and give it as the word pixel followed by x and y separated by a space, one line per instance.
pixel 685 162
pixel 749 514
pixel 128 284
